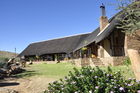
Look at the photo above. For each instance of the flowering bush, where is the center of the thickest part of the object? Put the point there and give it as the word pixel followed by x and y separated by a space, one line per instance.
pixel 94 80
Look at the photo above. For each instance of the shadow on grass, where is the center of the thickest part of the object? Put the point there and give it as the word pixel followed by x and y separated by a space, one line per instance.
pixel 26 74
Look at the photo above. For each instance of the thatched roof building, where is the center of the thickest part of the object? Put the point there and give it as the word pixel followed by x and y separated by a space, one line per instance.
pixel 55 46
pixel 68 44
pixel 104 42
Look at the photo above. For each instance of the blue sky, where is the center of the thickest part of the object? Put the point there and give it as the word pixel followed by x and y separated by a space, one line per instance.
pixel 25 21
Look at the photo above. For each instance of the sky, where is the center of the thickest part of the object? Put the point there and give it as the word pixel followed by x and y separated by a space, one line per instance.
pixel 26 21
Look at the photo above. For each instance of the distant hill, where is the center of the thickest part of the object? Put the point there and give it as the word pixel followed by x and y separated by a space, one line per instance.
pixel 7 54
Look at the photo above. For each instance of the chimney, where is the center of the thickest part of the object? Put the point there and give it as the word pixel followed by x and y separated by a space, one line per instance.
pixel 103 19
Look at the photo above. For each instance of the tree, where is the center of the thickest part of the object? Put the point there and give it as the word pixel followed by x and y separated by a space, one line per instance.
pixel 129 22
pixel 130 16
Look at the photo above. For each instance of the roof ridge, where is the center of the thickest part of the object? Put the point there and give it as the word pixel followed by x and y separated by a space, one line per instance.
pixel 61 37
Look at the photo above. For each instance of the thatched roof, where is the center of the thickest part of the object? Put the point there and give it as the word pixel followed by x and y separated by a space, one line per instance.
pixel 89 39
pixel 97 36
pixel 69 44
pixel 61 45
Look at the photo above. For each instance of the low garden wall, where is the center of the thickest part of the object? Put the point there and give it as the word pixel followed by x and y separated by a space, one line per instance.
pixel 108 61
pixel 113 61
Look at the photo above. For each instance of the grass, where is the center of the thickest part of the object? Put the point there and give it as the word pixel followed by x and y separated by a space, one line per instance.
pixel 48 70
pixel 126 71
pixel 62 69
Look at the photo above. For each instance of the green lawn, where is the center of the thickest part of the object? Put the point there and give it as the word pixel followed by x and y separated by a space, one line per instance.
pixel 126 71
pixel 62 69
pixel 49 70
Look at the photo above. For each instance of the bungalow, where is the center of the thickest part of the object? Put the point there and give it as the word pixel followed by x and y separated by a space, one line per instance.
pixel 104 46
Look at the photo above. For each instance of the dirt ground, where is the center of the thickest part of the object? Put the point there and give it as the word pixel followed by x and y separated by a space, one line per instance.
pixel 27 85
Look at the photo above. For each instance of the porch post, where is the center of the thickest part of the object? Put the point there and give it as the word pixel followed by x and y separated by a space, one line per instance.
pixel 125 46
pixel 100 50
pixel 55 55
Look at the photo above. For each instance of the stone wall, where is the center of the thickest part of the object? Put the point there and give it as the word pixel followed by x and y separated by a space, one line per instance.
pixel 108 61
pixel 51 62
pixel 87 62
pixel 76 62
pixel 118 60
pixel 113 61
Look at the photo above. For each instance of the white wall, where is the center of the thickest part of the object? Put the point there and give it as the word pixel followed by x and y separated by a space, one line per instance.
pixel 107 51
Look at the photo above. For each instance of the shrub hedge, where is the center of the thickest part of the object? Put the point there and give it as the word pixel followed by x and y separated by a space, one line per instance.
pixel 94 80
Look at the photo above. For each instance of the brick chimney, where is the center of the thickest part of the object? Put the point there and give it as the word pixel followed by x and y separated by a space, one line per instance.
pixel 103 19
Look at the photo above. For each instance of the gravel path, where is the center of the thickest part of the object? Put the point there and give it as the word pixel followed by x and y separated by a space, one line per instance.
pixel 27 85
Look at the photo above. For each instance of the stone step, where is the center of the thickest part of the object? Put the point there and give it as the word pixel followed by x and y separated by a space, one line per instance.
pixel 95 61
pixel 99 64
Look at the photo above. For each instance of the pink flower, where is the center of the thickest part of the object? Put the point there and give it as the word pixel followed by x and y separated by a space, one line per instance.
pixel 96 77
pixel 121 88
pixel 138 91
pixel 129 84
pixel 97 87
pixel 111 92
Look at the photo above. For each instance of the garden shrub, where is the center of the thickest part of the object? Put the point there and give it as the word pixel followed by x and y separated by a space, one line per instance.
pixel 3 59
pixel 127 61
pixel 94 80
pixel 2 64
